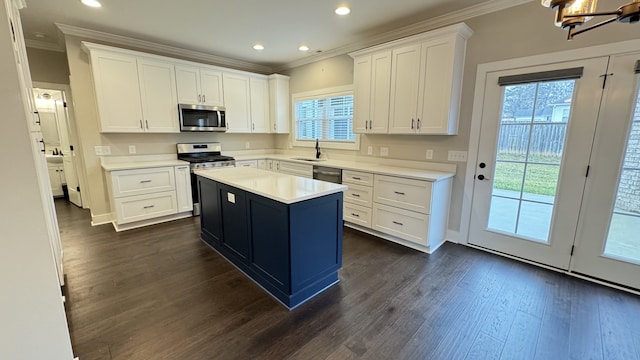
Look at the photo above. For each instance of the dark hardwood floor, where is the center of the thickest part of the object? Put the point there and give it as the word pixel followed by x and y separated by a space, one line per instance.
pixel 160 293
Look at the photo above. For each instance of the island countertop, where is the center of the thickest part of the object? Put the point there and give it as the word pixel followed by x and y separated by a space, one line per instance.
pixel 287 189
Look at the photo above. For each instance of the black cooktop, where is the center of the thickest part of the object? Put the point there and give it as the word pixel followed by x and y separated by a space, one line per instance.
pixel 197 158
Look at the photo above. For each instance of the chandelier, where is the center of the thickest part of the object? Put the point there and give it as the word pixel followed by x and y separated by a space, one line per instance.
pixel 571 14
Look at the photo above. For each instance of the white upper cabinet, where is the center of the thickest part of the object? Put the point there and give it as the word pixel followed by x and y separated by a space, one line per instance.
pixel 199 85
pixel 411 85
pixel 279 104
pixel 372 79
pixel 115 77
pixel 237 102
pixel 158 96
pixel 134 94
pixel 247 103
pixel 139 92
pixel 259 88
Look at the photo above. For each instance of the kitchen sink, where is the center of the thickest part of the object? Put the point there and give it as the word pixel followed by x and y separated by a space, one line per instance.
pixel 307 159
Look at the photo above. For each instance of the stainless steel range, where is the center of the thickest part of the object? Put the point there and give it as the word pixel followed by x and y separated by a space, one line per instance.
pixel 202 156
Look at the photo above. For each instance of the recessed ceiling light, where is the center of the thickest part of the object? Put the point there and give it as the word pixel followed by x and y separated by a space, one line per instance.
pixel 343 10
pixel 258 47
pixel 92 3
pixel 40 35
pixel 303 48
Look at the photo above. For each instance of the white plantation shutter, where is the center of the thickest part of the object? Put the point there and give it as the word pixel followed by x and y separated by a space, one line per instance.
pixel 326 119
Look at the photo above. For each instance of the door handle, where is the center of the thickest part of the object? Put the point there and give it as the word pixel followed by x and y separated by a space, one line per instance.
pixel 482 177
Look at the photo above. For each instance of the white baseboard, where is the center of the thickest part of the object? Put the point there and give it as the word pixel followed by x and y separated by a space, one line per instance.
pixel 101 219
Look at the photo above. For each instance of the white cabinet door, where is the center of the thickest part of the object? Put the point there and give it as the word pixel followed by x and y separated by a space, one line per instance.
pixel 361 93
pixel 279 104
pixel 262 164
pixel 117 92
pixel 380 90
pixel 405 82
pixel 158 96
pixel 439 99
pixel 259 105
pixel 55 179
pixel 188 84
pixel 372 79
pixel 183 188
pixel 211 87
pixel 237 103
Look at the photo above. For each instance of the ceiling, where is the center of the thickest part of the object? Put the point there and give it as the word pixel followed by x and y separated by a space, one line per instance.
pixel 230 28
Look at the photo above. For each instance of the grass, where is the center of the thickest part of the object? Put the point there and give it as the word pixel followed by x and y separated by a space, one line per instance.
pixel 540 179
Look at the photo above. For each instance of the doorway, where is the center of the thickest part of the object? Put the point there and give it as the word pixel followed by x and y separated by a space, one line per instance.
pixel 58 132
pixel 557 179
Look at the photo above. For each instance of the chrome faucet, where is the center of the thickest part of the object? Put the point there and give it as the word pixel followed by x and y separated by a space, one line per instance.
pixel 318 153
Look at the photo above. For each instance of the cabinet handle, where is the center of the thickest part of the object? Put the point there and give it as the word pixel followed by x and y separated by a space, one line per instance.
pixel 144 181
pixel 204 98
pixel 356 178
pixel 149 206
pixel 253 127
pixel 356 215
pixel 41 141
pixel 147 123
pixel 412 121
pixel 418 125
pixel 199 98
pixel 274 127
pixel 355 195
pixel 399 193
pixel 398 223
pixel 37 121
pixel 141 127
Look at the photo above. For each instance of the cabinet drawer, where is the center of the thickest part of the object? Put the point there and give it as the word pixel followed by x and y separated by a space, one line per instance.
pixel 143 207
pixel 247 163
pixel 296 169
pixel 409 194
pixel 142 181
pixel 357 177
pixel 358 194
pixel 356 214
pixel 407 225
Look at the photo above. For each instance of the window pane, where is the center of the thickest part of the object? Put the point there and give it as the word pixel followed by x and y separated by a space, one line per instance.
pixel 327 119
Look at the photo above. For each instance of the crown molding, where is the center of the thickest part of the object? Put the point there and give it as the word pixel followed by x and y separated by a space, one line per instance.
pixel 162 49
pixel 422 26
pixel 44 45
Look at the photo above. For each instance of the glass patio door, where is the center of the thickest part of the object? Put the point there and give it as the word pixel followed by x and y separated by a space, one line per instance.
pixel 608 239
pixel 536 135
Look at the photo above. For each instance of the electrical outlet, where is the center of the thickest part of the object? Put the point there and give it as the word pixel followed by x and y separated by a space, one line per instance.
pixel 384 151
pixel 429 154
pixel 369 150
pixel 132 149
pixel 102 150
pixel 460 156
pixel 247 145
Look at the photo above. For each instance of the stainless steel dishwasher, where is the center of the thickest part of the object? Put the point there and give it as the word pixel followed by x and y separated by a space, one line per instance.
pixel 328 174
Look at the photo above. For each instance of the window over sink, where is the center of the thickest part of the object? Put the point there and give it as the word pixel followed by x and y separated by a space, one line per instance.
pixel 326 115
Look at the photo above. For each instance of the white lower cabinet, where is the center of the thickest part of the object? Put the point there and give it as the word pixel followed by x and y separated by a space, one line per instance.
pixel 57 178
pixel 296 169
pixel 247 163
pixel 410 212
pixel 146 196
pixel 405 224
pixel 142 207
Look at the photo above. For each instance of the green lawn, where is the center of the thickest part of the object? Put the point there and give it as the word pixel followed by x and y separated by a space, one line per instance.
pixel 540 179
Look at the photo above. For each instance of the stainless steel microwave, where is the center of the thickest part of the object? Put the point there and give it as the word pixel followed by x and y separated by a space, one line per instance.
pixel 202 118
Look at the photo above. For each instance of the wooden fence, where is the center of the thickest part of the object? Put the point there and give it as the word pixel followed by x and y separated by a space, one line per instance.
pixel 547 139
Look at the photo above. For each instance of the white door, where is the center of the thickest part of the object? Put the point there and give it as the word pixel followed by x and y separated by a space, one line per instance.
pixel 535 143
pixel 69 160
pixel 608 240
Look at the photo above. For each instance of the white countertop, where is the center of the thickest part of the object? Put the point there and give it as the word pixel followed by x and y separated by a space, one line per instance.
pixel 283 188
pixel 418 174
pixel 142 164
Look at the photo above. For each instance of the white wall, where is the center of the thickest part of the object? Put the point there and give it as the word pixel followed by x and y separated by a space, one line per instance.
pixel 32 319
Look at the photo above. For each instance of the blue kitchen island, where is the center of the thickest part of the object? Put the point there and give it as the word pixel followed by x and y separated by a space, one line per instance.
pixel 284 232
